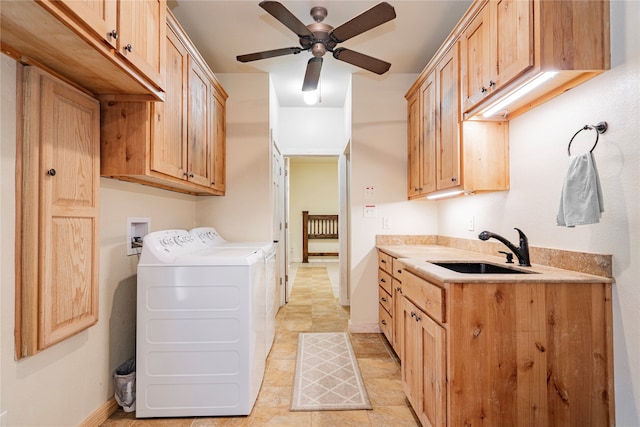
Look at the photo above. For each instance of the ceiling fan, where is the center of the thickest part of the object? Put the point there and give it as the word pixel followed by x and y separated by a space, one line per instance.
pixel 320 38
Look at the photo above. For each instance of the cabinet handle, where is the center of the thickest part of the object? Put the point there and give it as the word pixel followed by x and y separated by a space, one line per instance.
pixel 128 48
pixel 418 318
pixel 383 299
pixel 454 179
pixel 399 289
pixel 113 34
pixel 185 174
pixel 191 175
pixel 383 280
pixel 399 271
pixel 384 322
pixel 413 314
pixel 51 172
pixel 383 261
pixel 492 83
pixel 484 90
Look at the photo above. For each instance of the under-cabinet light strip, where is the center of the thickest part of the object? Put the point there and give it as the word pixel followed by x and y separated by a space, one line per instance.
pixel 519 93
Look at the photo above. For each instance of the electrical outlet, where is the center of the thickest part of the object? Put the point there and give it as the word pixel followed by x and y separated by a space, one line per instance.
pixel 386 222
pixel 470 223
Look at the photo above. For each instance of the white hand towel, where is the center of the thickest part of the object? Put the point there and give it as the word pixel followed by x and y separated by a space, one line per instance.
pixel 581 199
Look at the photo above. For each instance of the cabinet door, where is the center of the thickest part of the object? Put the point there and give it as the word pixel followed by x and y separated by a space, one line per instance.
pixel 198 152
pixel 512 43
pixel 428 140
pixel 99 15
pixel 447 120
pixel 64 134
pixel 218 141
pixel 413 144
pixel 424 365
pixel 169 119
pixel 398 331
pixel 476 61
pixel 141 38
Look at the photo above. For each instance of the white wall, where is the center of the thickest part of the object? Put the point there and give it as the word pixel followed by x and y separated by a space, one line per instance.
pixel 314 188
pixel 311 130
pixel 244 212
pixel 538 141
pixel 64 384
pixel 379 159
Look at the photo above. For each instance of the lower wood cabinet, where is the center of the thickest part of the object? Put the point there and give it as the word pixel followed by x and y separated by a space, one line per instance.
pixel 424 377
pixel 58 183
pixel 508 354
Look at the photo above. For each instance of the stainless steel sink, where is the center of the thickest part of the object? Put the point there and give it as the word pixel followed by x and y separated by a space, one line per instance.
pixel 479 268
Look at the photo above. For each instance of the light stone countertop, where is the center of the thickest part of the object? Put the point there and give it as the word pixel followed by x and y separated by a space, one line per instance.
pixel 418 260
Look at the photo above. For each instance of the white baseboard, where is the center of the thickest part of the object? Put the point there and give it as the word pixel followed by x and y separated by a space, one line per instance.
pixel 364 328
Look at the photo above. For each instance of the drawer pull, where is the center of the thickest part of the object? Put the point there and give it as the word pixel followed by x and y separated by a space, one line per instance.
pixel 383 280
pixel 384 322
pixel 383 299
pixel 399 289
pixel 383 261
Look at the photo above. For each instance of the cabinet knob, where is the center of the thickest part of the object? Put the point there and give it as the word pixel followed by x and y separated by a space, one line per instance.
pixel 128 48
pixel 51 172
pixel 384 299
pixel 113 34
pixel 484 90
pixel 454 179
pixel 492 83
pixel 384 322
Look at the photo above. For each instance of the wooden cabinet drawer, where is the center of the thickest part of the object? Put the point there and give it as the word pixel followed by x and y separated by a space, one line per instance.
pixel 397 269
pixel 385 322
pixel 385 299
pixel 425 295
pixel 385 281
pixel 385 262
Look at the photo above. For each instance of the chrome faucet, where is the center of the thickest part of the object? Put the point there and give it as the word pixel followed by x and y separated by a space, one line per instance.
pixel 521 252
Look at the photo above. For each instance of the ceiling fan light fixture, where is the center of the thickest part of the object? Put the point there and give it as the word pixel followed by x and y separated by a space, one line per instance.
pixel 311 97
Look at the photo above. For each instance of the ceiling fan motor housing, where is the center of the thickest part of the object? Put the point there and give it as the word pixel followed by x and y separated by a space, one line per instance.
pixel 321 41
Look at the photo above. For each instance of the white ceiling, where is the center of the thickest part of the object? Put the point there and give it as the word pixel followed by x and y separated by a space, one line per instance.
pixel 223 29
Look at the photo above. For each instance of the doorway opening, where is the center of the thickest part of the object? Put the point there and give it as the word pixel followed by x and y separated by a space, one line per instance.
pixel 315 184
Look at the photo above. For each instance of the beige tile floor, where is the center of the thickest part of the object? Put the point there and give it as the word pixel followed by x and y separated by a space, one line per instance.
pixel 312 307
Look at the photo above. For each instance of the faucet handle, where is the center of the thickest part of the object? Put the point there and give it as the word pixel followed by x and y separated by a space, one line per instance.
pixel 509 256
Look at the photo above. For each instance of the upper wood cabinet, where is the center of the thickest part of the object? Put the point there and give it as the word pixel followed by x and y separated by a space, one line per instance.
pixel 178 144
pixel 58 208
pixel 444 153
pixel 107 47
pixel 509 43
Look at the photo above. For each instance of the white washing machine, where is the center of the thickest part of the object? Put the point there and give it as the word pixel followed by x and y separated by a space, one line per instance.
pixel 212 239
pixel 200 345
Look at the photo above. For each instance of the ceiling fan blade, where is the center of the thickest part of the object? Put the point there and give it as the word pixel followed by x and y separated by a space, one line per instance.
pixel 268 54
pixel 312 75
pixel 282 14
pixel 361 60
pixel 377 15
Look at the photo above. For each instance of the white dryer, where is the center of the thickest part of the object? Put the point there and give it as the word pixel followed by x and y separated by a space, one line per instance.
pixel 212 239
pixel 200 345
